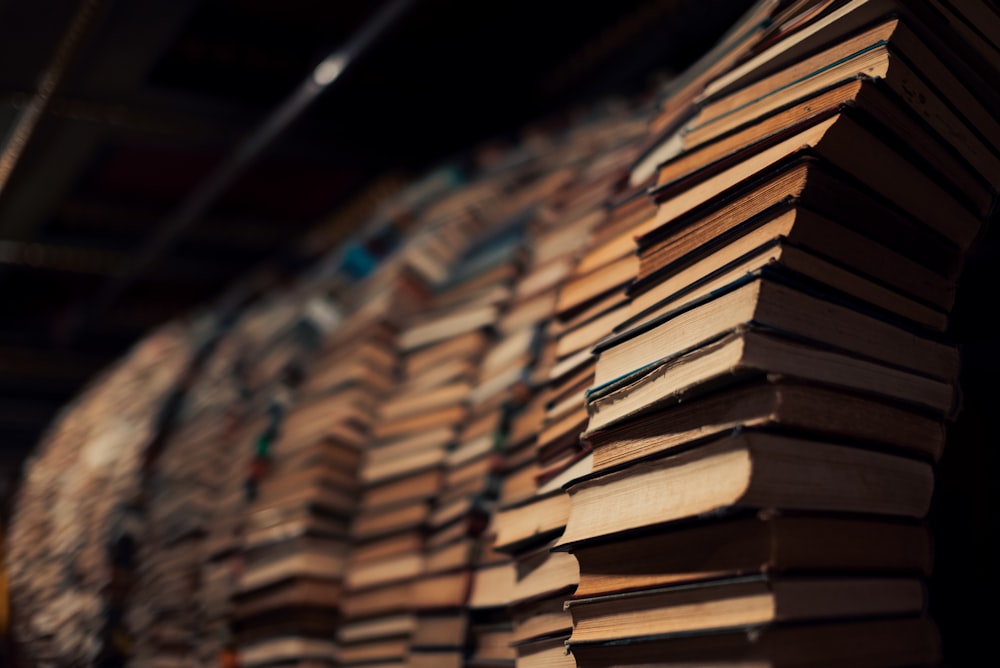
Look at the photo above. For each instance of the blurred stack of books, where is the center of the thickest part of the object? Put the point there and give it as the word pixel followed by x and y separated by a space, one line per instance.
pixel 394 569
pixel 543 449
pixel 294 538
pixel 159 584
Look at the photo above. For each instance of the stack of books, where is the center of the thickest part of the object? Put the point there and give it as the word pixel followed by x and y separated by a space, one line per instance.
pixel 288 596
pixel 455 543
pixel 233 394
pixel 71 544
pixel 562 184
pixel 219 573
pixel 165 614
pixel 494 588
pixel 543 449
pixel 766 416
pixel 175 611
pixel 399 565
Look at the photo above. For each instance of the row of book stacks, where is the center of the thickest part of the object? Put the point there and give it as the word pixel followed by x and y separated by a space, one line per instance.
pixel 665 383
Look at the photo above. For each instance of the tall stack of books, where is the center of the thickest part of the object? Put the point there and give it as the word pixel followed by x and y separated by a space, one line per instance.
pixel 555 184
pixel 403 470
pixel 72 535
pixel 293 542
pixel 543 448
pixel 494 588
pixel 454 546
pixel 766 417
pixel 235 391
pixel 219 573
pixel 552 251
pixel 165 614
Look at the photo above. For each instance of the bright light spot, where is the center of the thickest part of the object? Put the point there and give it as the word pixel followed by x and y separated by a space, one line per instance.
pixel 329 69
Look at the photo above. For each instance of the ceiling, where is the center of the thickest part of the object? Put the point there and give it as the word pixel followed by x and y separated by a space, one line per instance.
pixel 138 102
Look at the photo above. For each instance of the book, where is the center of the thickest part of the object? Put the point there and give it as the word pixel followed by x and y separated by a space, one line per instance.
pixel 582 290
pixel 370 629
pixel 802 243
pixel 492 585
pixel 539 620
pixel 763 542
pixel 491 645
pixel 897 71
pixel 422 400
pixel 815 185
pixel 748 351
pixel 786 262
pixel 905 641
pixel 545 653
pixel 388 650
pixel 746 470
pixel 383 601
pixel 318 560
pixel 678 100
pixel 534 520
pixel 778 306
pixel 447 590
pixel 277 650
pixel 740 602
pixel 383 571
pixel 391 487
pixel 464 346
pixel 432 658
pixel 383 471
pixel 291 593
pixel 836 24
pixel 543 574
pixel 441 629
pixel 772 403
pixel 882 171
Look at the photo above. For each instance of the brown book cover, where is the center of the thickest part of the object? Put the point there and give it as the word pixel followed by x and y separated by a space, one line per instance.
pixel 746 470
